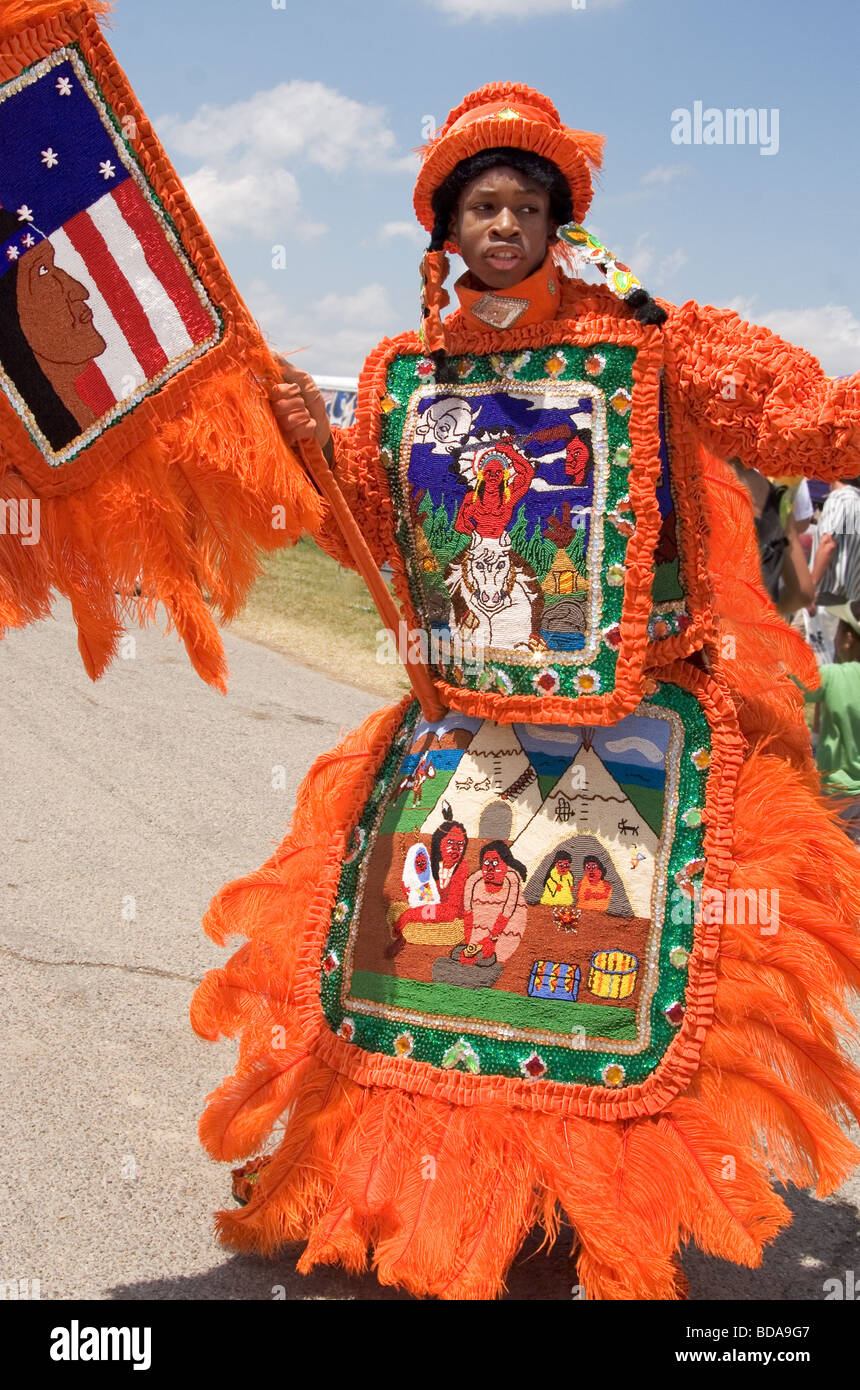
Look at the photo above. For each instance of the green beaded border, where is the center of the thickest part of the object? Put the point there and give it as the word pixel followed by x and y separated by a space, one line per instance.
pixel 403 380
pixel 574 1064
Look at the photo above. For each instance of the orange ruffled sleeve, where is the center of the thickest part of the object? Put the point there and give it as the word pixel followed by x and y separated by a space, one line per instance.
pixel 755 397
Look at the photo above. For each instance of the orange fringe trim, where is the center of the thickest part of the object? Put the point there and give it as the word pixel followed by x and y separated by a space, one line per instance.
pixel 350 1174
pixel 756 397
pixel 753 648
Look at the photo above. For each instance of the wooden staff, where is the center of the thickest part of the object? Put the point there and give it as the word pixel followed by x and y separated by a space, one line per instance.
pixel 417 670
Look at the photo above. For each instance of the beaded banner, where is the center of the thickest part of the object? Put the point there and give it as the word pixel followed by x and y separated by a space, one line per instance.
pixel 519 900
pixel 114 302
pixel 99 303
pixel 133 382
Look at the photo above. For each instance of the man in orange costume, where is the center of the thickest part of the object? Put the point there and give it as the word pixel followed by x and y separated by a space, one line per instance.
pixel 507 185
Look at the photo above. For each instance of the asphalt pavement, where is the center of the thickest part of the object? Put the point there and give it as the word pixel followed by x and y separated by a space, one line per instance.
pixel 125 805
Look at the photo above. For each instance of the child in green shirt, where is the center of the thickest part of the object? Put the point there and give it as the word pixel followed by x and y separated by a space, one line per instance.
pixel 838 717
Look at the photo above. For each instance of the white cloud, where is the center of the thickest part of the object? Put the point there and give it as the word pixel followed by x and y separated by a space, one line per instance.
pixel 517 9
pixel 245 154
pixel 741 305
pixel 830 331
pixel 337 330
pixel 295 120
pixel 370 304
pixel 249 203
pixel 642 258
pixel 650 266
pixel 665 173
pixel 671 263
pixel 410 230
pixel 644 746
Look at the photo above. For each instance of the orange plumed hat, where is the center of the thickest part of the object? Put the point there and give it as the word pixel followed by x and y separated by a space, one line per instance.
pixel 508 113
pixel 497 115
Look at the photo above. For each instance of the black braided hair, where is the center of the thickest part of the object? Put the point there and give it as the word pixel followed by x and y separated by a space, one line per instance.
pixel 550 177
pixel 18 360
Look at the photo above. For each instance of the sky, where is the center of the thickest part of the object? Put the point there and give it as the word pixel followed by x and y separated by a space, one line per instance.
pixel 641 743
pixel 294 126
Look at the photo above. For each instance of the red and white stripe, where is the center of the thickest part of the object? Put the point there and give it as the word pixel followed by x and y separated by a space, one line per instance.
pixel 143 301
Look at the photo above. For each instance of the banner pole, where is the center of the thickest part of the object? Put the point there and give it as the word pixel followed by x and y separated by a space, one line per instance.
pixel 417 670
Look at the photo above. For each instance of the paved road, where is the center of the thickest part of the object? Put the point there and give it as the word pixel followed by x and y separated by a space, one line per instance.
pixel 125 805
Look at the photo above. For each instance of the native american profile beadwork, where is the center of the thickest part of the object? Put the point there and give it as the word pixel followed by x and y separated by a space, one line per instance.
pixel 517 900
pixel 100 305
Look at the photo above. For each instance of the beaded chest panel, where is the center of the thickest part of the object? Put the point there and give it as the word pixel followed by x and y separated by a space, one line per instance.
pixel 515 515
pixel 518 900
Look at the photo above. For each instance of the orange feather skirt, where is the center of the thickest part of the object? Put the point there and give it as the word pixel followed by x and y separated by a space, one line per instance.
pixel 766 1105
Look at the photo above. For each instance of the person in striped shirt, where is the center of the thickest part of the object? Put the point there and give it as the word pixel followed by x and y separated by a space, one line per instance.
pixel 836 569
pixel 836 564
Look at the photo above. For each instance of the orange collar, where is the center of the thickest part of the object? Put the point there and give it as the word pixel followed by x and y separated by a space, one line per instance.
pixel 534 300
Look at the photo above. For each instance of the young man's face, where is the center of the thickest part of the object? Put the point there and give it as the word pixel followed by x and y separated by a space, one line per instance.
pixel 502 227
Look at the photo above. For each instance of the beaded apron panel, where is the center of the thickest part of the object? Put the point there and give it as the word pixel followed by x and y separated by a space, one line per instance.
pixel 516 899
pixel 512 493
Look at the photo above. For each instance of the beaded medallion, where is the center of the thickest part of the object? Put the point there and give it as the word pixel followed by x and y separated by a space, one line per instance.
pixel 517 900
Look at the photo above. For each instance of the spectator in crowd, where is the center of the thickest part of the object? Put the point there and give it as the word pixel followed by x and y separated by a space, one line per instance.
pixel 837 717
pixel 785 571
pixel 836 563
pixel 836 567
pixel 802 507
pixel 803 511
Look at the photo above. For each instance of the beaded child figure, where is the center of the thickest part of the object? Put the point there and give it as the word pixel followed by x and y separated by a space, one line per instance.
pixel 644 1058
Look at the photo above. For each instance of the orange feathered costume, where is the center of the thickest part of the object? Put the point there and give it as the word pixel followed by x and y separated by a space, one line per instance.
pixel 436 1109
pixel 755 1084
pixel 759 1086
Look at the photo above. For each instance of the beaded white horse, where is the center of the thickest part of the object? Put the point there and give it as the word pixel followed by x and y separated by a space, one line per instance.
pixel 496 600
